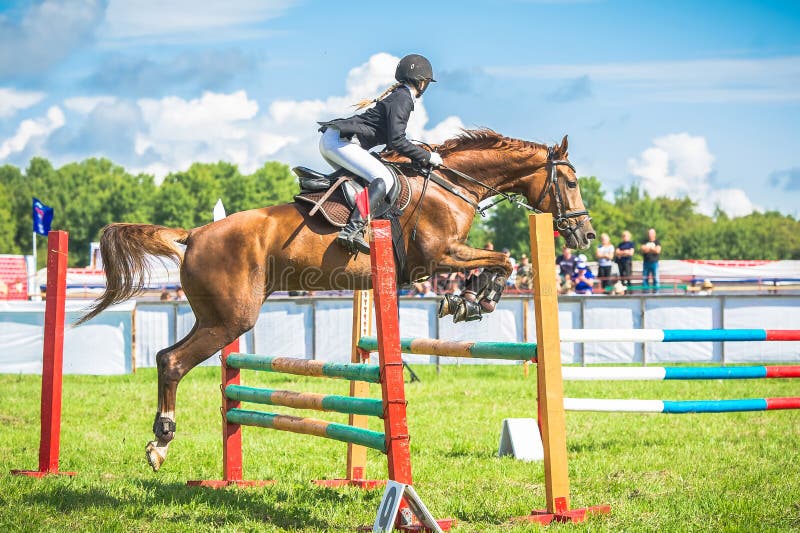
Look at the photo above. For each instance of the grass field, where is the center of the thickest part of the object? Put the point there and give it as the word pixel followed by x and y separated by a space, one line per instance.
pixel 720 472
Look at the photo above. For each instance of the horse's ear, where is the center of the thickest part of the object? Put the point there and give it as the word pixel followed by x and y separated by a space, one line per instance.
pixel 564 147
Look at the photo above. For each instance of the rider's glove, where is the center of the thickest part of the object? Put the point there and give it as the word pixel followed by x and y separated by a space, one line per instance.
pixel 436 159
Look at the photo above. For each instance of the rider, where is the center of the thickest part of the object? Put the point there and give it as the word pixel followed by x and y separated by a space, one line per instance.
pixel 345 141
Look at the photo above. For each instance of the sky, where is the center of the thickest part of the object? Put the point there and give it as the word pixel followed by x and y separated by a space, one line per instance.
pixel 684 98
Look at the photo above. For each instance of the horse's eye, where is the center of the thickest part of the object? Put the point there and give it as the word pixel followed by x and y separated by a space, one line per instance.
pixel 572 184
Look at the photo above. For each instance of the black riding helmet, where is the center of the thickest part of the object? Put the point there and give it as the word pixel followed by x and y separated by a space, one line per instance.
pixel 415 69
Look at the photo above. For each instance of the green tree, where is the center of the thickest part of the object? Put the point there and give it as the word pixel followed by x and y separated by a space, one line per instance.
pixel 8 227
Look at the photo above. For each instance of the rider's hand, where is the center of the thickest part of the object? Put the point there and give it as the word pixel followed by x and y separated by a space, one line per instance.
pixel 436 160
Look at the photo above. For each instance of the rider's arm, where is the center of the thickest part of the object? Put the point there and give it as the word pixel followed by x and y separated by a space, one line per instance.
pixel 398 107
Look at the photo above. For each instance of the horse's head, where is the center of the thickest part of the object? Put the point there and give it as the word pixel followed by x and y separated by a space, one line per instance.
pixel 542 174
pixel 553 188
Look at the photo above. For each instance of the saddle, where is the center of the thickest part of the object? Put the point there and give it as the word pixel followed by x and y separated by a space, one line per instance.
pixel 334 195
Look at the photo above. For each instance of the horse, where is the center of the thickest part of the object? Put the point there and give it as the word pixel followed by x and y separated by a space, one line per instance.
pixel 229 267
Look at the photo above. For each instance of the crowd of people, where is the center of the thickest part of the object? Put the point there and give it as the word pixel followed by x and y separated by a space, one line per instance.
pixel 573 272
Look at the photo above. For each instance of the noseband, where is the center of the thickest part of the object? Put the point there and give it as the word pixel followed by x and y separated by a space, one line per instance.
pixel 561 219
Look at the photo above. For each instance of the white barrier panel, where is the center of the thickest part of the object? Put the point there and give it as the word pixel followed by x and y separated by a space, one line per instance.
pixel 102 346
pixel 767 313
pixel 286 328
pixel 692 312
pixel 611 313
pixel 321 328
pixel 503 325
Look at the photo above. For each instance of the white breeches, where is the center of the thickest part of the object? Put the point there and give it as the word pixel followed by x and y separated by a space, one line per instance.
pixel 340 153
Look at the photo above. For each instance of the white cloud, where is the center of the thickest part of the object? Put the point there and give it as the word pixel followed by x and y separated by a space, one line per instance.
pixel 233 127
pixel 12 101
pixel 32 129
pixel 680 165
pixel 86 104
pixel 169 134
pixel 184 21
pixel 211 116
pixel 712 80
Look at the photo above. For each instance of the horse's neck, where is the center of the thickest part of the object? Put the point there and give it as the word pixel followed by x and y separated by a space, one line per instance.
pixel 499 171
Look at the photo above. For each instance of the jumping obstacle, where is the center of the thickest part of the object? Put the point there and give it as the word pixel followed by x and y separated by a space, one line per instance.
pixel 547 355
pixel 679 373
pixel 52 358
pixel 233 393
pixel 621 373
pixel 393 441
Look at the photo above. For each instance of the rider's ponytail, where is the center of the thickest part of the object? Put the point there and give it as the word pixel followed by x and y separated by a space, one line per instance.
pixel 367 102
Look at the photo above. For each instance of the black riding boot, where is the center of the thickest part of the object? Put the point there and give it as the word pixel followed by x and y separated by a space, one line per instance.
pixel 352 231
pixel 352 236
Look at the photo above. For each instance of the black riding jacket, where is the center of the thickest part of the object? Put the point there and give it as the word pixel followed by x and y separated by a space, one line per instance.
pixel 385 123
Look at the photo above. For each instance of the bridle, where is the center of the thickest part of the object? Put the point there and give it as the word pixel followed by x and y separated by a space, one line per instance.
pixel 561 218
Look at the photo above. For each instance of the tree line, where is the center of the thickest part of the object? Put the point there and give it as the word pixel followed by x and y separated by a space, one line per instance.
pixel 92 193
pixel 683 232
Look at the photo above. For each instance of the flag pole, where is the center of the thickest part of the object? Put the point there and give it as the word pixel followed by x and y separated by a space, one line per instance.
pixel 32 292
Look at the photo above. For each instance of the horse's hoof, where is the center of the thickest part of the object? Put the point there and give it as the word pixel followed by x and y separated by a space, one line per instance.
pixel 156 455
pixel 448 305
pixel 467 311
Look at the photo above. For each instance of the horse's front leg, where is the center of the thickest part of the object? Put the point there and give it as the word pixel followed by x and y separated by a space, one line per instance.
pixel 483 290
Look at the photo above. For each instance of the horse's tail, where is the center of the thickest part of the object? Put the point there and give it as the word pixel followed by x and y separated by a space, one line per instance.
pixel 125 249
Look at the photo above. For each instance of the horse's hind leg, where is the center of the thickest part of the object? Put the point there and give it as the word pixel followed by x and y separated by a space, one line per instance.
pixel 173 363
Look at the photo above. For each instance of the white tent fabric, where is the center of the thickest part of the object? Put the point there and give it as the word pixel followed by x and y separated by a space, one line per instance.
pixel 101 346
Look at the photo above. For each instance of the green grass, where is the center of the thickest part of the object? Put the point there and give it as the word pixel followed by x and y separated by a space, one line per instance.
pixel 730 472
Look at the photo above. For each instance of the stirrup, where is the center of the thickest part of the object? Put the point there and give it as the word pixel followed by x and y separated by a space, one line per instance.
pixel 351 238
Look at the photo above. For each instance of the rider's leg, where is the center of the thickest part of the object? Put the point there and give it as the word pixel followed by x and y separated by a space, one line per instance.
pixel 350 155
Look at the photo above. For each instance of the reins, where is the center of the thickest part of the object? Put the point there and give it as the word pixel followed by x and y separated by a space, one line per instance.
pixel 560 221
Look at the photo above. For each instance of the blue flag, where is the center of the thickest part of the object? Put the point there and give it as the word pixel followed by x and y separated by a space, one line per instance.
pixel 42 217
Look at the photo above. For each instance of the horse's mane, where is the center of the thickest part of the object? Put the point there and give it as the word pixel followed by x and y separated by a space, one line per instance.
pixel 477 139
pixel 483 138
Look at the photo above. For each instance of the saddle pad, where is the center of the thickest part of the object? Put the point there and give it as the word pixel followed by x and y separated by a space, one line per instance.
pixel 335 208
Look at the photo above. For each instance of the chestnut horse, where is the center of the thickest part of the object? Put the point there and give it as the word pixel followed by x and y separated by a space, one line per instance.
pixel 231 266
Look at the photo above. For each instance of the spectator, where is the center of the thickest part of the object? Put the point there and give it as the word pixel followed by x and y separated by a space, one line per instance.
pixel 566 263
pixel 511 281
pixel 179 294
pixel 164 295
pixel 524 278
pixel 605 254
pixel 651 250
pixel 583 278
pixel 624 257
pixel 424 290
pixel 488 246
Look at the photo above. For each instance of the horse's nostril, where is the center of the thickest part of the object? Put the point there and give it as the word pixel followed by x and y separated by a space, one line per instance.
pixel 590 235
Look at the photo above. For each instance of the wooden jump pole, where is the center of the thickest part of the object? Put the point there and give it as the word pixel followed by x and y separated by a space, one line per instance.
pixel 384 287
pixel 52 358
pixel 357 455
pixel 550 387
